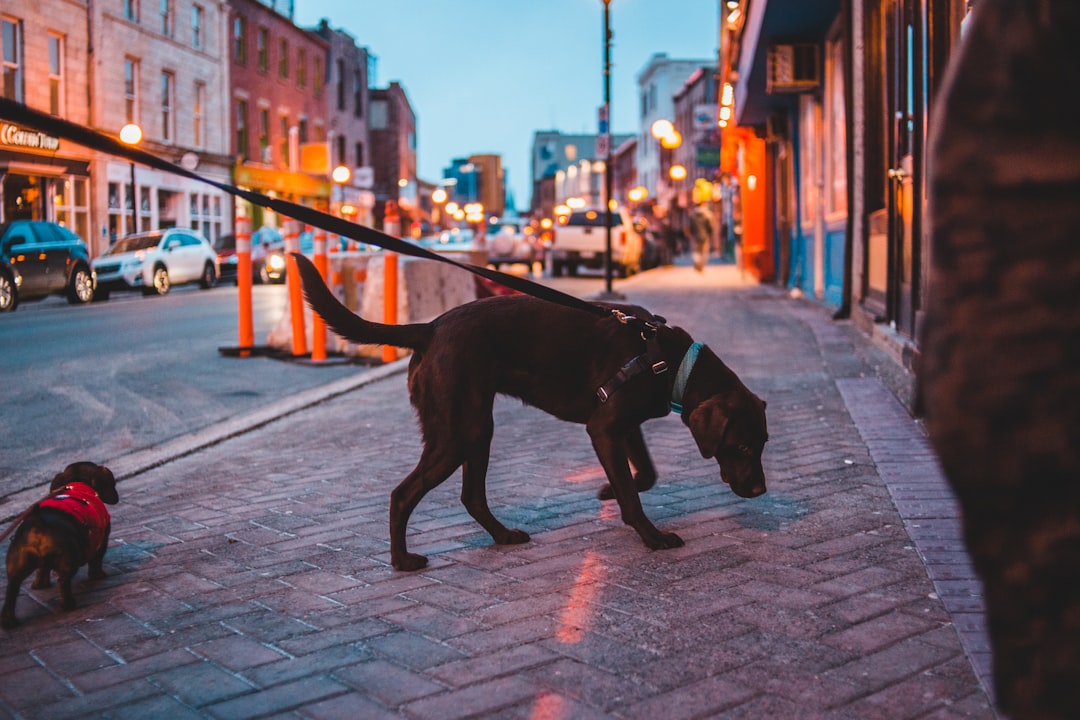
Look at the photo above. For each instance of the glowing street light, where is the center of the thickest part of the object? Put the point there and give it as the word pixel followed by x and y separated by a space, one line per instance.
pixel 131 134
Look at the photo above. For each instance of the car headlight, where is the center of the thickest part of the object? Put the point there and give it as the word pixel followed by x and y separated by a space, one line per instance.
pixel 275 262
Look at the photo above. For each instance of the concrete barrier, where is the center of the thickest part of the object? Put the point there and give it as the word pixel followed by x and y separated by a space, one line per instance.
pixel 426 289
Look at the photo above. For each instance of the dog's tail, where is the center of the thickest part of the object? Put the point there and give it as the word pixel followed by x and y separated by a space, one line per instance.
pixel 348 324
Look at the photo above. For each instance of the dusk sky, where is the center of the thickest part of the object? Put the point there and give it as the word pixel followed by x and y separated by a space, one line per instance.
pixel 484 75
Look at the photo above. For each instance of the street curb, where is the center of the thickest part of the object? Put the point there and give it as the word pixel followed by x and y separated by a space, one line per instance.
pixel 130 465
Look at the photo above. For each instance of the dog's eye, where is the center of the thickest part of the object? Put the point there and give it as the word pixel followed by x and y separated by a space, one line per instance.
pixel 745 449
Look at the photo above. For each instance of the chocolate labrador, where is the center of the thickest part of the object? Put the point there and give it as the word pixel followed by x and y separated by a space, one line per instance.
pixel 610 371
pixel 68 529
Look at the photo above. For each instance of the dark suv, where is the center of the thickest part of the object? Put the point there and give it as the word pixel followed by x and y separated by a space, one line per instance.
pixel 40 258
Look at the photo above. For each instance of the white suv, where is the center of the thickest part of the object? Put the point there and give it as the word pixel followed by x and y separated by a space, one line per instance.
pixel 155 261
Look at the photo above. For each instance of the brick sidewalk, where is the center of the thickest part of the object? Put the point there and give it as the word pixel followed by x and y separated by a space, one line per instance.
pixel 250 579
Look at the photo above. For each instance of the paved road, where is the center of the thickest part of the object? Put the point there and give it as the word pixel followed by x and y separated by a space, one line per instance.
pixel 98 381
pixel 250 578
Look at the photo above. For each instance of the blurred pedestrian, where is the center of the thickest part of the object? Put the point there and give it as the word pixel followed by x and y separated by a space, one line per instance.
pixel 701 233
pixel 1000 365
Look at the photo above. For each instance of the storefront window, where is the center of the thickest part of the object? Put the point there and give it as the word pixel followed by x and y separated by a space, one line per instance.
pixel 71 206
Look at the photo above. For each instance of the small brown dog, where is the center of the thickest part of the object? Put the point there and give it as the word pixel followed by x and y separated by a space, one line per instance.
pixel 68 529
pixel 610 371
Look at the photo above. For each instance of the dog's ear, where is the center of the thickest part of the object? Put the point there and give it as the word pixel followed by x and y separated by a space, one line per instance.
pixel 67 475
pixel 707 423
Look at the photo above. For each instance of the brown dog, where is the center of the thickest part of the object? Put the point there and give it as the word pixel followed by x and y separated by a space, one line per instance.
pixel 599 370
pixel 67 530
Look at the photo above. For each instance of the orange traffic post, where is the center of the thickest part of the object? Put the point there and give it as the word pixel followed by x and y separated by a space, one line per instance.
pixel 243 285
pixel 295 290
pixel 389 352
pixel 318 327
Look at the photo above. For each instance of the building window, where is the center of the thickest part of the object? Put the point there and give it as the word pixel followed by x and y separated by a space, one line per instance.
pixel 131 89
pixel 340 84
pixel 242 129
pixel 358 94
pixel 11 38
pixel 72 204
pixel 359 154
pixel 283 59
pixel 318 77
pixel 283 143
pixel 264 135
pixel 240 40
pixel 379 118
pixel 131 10
pixel 56 74
pixel 340 150
pixel 168 102
pixel 167 18
pixel 197 27
pixel 301 68
pixel 303 130
pixel 198 114
pixel 263 48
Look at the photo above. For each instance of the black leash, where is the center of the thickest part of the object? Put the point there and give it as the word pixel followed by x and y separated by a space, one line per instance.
pixel 17 112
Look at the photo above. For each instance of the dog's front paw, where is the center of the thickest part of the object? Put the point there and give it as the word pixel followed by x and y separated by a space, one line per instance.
pixel 41 582
pixel 606 493
pixel 410 562
pixel 666 541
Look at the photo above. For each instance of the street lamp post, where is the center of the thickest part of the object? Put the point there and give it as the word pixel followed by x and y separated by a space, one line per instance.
pixel 607 160
pixel 131 134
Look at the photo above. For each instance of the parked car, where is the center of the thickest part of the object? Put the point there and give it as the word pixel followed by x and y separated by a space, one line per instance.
pixel 273 265
pixel 39 258
pixel 261 240
pixel 510 241
pixel 154 261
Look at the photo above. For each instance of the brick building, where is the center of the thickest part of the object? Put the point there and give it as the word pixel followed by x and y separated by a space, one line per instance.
pixel 43 178
pixel 161 66
pixel 392 127
pixel 278 125
pixel 347 123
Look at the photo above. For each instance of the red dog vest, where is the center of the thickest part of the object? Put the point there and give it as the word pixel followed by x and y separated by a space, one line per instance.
pixel 80 501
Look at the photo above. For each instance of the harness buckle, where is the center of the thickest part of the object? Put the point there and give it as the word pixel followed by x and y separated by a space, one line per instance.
pixel 660 366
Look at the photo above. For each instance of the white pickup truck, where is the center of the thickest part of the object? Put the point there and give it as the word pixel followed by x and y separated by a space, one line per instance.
pixel 582 242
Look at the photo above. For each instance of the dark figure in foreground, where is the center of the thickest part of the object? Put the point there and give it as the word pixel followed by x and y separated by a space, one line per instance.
pixel 577 366
pixel 1001 363
pixel 61 533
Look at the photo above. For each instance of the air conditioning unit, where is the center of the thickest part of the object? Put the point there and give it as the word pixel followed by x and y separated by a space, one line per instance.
pixel 794 67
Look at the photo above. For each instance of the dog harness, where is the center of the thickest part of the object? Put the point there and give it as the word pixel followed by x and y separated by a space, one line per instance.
pixel 81 502
pixel 650 361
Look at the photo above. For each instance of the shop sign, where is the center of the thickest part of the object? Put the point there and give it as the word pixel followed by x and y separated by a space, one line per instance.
pixel 15 136
pixel 707 156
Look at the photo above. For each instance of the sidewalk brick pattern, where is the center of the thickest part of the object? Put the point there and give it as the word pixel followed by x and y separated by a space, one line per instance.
pixel 251 579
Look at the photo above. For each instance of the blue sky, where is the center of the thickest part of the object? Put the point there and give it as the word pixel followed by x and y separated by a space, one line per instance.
pixel 483 75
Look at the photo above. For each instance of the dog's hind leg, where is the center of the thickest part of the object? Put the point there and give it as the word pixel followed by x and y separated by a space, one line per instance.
pixel 644 470
pixel 43 579
pixel 474 494
pixel 15 579
pixel 434 467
